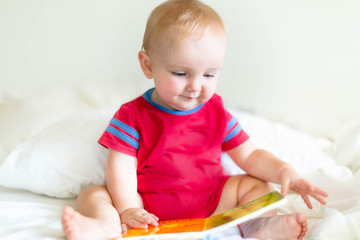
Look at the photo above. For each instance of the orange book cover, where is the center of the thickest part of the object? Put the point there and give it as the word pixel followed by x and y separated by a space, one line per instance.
pixel 199 227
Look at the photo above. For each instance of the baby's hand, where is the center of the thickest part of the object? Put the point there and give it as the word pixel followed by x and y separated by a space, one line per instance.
pixel 137 218
pixel 290 179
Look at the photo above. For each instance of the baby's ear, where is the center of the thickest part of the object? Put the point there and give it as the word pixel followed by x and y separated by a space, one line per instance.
pixel 145 64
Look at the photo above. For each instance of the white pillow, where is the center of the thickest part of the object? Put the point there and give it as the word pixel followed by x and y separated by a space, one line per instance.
pixel 62 159
pixel 24 113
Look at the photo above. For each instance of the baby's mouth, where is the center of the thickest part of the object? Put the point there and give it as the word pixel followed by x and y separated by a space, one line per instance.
pixel 191 97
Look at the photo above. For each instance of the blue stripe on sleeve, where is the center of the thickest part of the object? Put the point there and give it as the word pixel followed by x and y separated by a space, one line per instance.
pixel 125 127
pixel 123 136
pixel 235 131
pixel 231 123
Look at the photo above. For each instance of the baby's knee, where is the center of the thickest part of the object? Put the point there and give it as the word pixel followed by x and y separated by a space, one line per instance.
pixel 96 191
pixel 258 184
pixel 268 187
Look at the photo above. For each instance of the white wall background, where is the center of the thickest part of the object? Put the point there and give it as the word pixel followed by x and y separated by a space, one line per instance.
pixel 291 60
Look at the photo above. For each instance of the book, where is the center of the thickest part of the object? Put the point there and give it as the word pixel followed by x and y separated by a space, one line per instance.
pixel 198 228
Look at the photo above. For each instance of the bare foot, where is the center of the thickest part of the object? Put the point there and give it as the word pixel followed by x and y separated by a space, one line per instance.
pixel 77 226
pixel 292 226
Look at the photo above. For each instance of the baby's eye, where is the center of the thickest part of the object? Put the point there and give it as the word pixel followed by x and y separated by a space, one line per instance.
pixel 209 75
pixel 179 74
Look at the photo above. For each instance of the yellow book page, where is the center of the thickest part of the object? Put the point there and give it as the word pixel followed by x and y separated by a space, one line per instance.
pixel 202 224
pixel 171 226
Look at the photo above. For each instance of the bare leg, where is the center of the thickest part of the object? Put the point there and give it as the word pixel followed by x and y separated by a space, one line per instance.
pixel 244 188
pixel 241 189
pixel 95 218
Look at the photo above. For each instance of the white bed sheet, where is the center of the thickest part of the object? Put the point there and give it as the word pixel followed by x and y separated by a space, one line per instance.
pixel 26 215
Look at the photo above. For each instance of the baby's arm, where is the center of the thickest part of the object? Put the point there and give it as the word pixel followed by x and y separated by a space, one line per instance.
pixel 121 182
pixel 264 165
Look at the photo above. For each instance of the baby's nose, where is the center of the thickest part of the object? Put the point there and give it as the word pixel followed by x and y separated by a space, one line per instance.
pixel 194 85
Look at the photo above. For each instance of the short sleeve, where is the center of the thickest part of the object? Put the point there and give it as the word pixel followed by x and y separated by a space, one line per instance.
pixel 121 134
pixel 235 134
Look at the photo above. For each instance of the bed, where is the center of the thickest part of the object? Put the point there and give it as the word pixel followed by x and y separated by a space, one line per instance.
pixel 47 170
pixel 293 85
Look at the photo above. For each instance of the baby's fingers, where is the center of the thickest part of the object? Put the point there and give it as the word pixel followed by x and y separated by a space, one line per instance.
pixel 321 192
pixel 153 220
pixel 138 218
pixel 285 187
pixel 307 201
pixel 137 223
pixel 319 195
pixel 146 219
pixel 124 227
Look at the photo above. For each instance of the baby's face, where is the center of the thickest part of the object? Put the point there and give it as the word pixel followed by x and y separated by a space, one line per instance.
pixel 186 71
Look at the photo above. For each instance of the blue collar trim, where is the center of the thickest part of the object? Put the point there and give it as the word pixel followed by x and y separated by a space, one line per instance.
pixel 147 97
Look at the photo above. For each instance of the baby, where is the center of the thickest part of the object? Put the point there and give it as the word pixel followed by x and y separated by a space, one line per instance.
pixel 165 146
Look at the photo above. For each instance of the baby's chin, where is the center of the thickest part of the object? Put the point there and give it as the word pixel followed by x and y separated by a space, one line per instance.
pixel 186 107
pixel 186 104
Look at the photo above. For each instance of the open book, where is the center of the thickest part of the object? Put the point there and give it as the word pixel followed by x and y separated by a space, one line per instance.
pixel 199 227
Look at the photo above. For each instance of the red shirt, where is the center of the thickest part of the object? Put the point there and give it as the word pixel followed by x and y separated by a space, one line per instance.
pixel 176 150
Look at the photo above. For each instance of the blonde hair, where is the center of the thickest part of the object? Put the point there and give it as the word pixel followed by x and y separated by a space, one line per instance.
pixel 188 16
